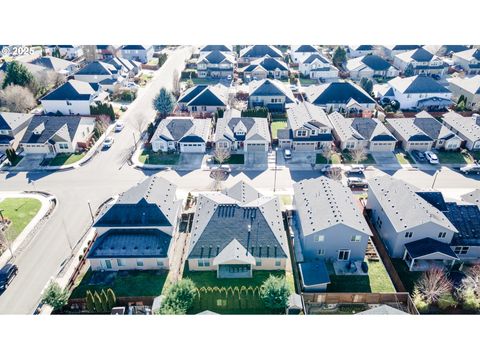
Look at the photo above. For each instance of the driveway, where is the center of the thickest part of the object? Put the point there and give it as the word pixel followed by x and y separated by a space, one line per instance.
pixel 256 160
pixel 190 161
pixel 385 158
pixel 30 162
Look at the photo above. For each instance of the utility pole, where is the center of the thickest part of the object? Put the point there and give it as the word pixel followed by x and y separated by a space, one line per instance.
pixel 134 141
pixel 91 212
pixel 66 235
pixel 275 172
pixel 435 178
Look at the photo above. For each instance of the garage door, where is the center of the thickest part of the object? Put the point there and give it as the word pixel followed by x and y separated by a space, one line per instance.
pixel 255 147
pixel 192 148
pixel 304 146
pixel 382 146
pixel 421 146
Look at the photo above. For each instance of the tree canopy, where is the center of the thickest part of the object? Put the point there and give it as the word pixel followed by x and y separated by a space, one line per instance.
pixel 17 74
pixel 275 292
pixel 164 102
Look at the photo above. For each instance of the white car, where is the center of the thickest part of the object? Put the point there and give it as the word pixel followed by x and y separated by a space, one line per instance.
pixel 287 154
pixel 355 169
pixel 226 168
pixel 331 168
pixel 131 85
pixel 470 168
pixel 356 182
pixel 107 144
pixel 119 126
pixel 432 157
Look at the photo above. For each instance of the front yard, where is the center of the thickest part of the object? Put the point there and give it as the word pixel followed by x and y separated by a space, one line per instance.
pixel 20 211
pixel 334 159
pixel 148 157
pixel 123 283
pixel 63 159
pixel 234 159
pixel 377 280
pixel 347 159
pixel 403 158
pixel 229 296
pixel 454 157
pixel 277 125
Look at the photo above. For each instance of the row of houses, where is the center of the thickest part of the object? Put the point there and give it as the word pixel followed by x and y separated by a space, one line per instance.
pixel 239 230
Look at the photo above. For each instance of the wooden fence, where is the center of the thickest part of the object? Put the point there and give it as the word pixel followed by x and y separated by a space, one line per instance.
pixel 80 303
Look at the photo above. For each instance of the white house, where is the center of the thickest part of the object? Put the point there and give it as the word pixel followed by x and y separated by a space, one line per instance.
pixel 370 66
pixel 96 72
pixel 272 94
pixel 316 66
pixel 469 87
pixel 420 62
pixel 469 60
pixel 11 125
pixel 354 51
pixel 140 53
pixel 204 99
pixel 467 128
pixel 216 64
pixel 301 52
pixel 266 67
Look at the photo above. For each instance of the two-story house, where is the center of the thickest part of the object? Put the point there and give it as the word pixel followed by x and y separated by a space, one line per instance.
pixel 11 124
pixel 300 52
pixel 266 67
pixel 272 94
pixel 216 64
pixel 316 66
pixel 420 62
pixel 469 60
pixel 308 128
pixel 469 88
pixel 136 230
pixel 466 127
pixel 140 53
pixel 255 52
pixel 370 66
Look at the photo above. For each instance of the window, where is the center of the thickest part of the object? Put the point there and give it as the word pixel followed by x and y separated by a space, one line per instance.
pixel 343 255
pixel 442 235
pixel 461 250
pixel 194 108
pixel 356 238
pixel 301 133
pixel 120 262
pixel 202 263
pixel 140 263
pixel 63 146
pixel 159 263
pixel 408 234
pixel 320 238
pixel 278 263
pixel 108 264
pixel 321 252
pixel 258 262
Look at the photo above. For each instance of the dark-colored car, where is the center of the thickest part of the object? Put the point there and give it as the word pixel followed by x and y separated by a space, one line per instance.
pixel 7 273
pixel 420 156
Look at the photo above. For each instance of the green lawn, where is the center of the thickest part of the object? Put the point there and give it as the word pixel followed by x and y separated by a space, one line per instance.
pixel 454 157
pixel 20 211
pixel 408 277
pixel 63 159
pixel 277 125
pixel 233 159
pixel 17 160
pixel 307 82
pixel 205 81
pixel 377 281
pixel 123 283
pixel 149 157
pixel 403 158
pixel 227 302
pixel 348 158
pixel 334 159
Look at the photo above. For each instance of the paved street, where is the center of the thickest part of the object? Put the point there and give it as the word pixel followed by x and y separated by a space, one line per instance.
pixel 108 174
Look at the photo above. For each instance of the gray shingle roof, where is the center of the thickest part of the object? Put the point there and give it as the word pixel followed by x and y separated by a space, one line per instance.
pixel 470 84
pixel 373 62
pixel 258 51
pixel 152 202
pixel 307 114
pixel 383 310
pixel 97 68
pixel 216 48
pixel 468 127
pixel 418 84
pixel 255 127
pixel 183 129
pixel 10 121
pixel 217 57
pixel 432 127
pixel 337 93
pixel 268 63
pixel 131 243
pixel 313 57
pixel 53 63
pixel 472 197
pixel 304 49
pixel 220 219
pixel 369 129
pixel 271 87
pixel 66 126
pixel 72 90
pixel 322 203
pixel 403 206
pixel 209 95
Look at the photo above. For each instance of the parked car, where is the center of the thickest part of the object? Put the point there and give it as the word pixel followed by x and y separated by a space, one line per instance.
pixel 355 170
pixel 119 126
pixel 470 169
pixel 293 87
pixel 432 157
pixel 124 107
pixel 327 169
pixel 226 168
pixel 107 144
pixel 356 182
pixel 287 154
pixel 7 273
pixel 131 85
pixel 419 155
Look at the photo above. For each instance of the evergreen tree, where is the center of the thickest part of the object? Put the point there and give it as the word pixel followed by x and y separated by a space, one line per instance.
pixel 90 302
pixel 164 103
pixel 111 299
pixel 103 296
pixel 55 296
pixel 275 292
pixel 97 300
pixel 339 56
pixel 17 74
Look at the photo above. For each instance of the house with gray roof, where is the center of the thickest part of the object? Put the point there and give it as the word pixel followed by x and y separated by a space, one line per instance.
pixel 266 67
pixel 409 225
pixel 419 92
pixel 204 99
pixel 11 124
pixel 423 132
pixel 472 197
pixel 135 231
pixel 126 68
pixel 99 72
pixel 73 98
pixel 468 60
pixel 390 51
pixel 420 62
pixel 361 133
pixel 300 52
pixel 61 66
pixel 330 226
pixel 184 134
pixel 469 87
pixel 140 53
pixel 466 127
pixel 354 51
pixel 216 64
pixel 52 135
pixel 209 48
pixel 254 52
pixel 308 128
pixel 236 232
pixel 316 66
pixel 338 96
pixel 370 66
pixel 273 94
pixel 242 134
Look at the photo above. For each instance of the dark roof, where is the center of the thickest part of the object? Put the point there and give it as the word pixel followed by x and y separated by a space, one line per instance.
pixel 405 47
pixel 314 273
pixel 419 84
pixel 306 49
pixel 215 48
pixel 150 203
pixel 448 49
pixel 375 62
pixel 340 93
pixel 133 47
pixel 312 57
pixel 435 198
pixel 267 88
pixel 258 51
pixel 191 93
pixel 52 125
pixel 231 221
pixel 131 243
pixel 270 64
pixel 6 139
pixel 367 126
pixel 10 121
pixel 422 55
pixel 429 246
pixel 97 68
pixel 364 48
pixel 215 57
pixel 206 98
pixel 71 90
pixel 179 127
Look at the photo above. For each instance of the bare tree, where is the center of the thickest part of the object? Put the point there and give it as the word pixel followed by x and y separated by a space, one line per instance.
pixel 433 285
pixel 218 175
pixel 335 173
pixel 102 122
pixel 327 152
pixel 221 154
pixel 359 154
pixel 17 98
pixel 2 78
pixel 471 281
pixel 44 80
pixel 140 124
pixel 176 89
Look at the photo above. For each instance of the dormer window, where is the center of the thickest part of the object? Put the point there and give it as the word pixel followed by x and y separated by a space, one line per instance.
pixel 302 133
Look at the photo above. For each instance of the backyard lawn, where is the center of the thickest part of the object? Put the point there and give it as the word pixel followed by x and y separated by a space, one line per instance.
pixel 334 159
pixel 233 159
pixel 277 125
pixel 408 277
pixel 149 157
pixel 348 158
pixel 377 281
pixel 454 157
pixel 403 158
pixel 307 82
pixel 123 283
pixel 63 159
pixel 229 296
pixel 20 211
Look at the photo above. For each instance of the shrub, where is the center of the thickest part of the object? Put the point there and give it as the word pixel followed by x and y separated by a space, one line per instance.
pixel 470 300
pixel 90 302
pixel 446 301
pixel 127 95
pixel 275 292
pixel 55 296
pixel 179 297
pixel 420 304
pixel 111 299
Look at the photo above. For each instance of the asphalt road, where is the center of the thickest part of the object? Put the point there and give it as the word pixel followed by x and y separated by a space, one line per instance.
pixel 108 174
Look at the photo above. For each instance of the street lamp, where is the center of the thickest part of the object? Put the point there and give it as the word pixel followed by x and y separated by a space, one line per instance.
pixel 275 172
pixel 91 212
pixel 134 141
pixel 435 177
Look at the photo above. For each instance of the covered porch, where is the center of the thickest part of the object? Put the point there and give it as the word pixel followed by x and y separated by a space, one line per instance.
pixel 424 254
pixel 234 261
